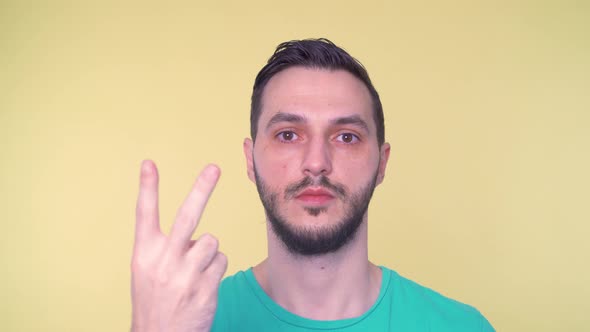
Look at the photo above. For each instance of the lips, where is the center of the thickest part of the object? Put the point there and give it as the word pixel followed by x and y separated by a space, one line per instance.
pixel 315 196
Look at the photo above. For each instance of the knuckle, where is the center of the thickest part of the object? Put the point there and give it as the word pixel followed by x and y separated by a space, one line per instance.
pixel 209 242
pixel 202 181
pixel 222 258
pixel 166 273
pixel 184 218
pixel 218 266
pixel 138 264
pixel 139 210
pixel 207 299
pixel 202 189
pixel 144 211
pixel 162 278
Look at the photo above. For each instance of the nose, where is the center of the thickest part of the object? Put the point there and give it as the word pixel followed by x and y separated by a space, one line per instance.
pixel 317 158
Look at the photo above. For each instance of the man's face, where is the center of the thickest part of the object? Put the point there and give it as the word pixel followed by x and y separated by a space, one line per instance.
pixel 316 159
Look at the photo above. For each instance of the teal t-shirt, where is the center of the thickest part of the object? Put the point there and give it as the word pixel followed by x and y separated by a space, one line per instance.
pixel 402 305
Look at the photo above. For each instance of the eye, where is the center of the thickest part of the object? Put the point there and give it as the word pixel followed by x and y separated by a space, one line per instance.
pixel 347 138
pixel 287 136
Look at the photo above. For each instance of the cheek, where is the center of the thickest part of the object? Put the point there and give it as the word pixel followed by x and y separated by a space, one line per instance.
pixel 355 171
pixel 281 168
pixel 275 165
pixel 277 175
pixel 358 163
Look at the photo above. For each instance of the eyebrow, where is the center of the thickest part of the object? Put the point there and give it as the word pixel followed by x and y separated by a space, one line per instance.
pixel 296 118
pixel 285 117
pixel 351 120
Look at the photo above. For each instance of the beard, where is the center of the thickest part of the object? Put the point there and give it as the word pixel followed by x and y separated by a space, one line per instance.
pixel 316 240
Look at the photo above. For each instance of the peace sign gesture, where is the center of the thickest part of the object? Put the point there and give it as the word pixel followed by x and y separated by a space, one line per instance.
pixel 174 280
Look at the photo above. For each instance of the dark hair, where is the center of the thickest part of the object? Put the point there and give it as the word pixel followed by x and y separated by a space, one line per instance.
pixel 312 53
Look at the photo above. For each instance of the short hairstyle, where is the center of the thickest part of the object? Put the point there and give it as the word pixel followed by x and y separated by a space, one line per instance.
pixel 318 54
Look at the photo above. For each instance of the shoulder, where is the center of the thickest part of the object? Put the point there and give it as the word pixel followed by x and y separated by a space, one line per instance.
pixel 438 311
pixel 234 285
pixel 232 292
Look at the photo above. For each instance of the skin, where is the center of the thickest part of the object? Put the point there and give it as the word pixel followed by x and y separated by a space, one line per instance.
pixel 343 284
pixel 175 279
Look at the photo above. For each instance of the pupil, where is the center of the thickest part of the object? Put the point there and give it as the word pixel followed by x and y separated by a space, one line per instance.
pixel 288 136
pixel 347 138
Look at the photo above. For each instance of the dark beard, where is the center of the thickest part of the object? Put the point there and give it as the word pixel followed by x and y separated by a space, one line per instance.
pixel 307 241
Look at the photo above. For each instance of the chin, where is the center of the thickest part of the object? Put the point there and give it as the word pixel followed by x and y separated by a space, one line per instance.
pixel 314 219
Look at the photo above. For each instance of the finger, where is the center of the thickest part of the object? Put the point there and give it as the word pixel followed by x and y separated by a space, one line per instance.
pixel 146 212
pixel 217 268
pixel 190 212
pixel 210 279
pixel 203 252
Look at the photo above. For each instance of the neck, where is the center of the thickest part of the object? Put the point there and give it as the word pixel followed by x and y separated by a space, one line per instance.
pixel 338 285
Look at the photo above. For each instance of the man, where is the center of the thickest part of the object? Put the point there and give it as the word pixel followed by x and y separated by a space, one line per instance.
pixel 316 154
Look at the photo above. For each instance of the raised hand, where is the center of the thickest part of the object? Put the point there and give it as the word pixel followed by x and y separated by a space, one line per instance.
pixel 174 280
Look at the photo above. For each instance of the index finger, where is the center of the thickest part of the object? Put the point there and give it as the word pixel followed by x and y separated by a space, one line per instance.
pixel 190 212
pixel 146 211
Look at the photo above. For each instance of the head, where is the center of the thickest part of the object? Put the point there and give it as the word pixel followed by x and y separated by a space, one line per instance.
pixel 317 149
pixel 315 54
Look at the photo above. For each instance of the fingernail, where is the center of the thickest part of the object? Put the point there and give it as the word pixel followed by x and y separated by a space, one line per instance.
pixel 212 170
pixel 145 167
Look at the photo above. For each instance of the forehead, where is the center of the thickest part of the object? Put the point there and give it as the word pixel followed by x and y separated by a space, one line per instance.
pixel 316 93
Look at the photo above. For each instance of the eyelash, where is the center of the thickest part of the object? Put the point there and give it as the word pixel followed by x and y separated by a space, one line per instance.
pixel 280 137
pixel 355 138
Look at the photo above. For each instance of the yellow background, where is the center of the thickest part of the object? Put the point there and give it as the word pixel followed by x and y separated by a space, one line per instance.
pixel 487 108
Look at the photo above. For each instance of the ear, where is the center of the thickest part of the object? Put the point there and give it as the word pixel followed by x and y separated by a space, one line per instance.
pixel 384 157
pixel 248 153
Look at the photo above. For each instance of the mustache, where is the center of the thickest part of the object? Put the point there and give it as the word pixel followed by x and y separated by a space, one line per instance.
pixel 322 181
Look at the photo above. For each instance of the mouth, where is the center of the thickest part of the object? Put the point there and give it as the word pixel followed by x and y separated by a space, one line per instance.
pixel 315 196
